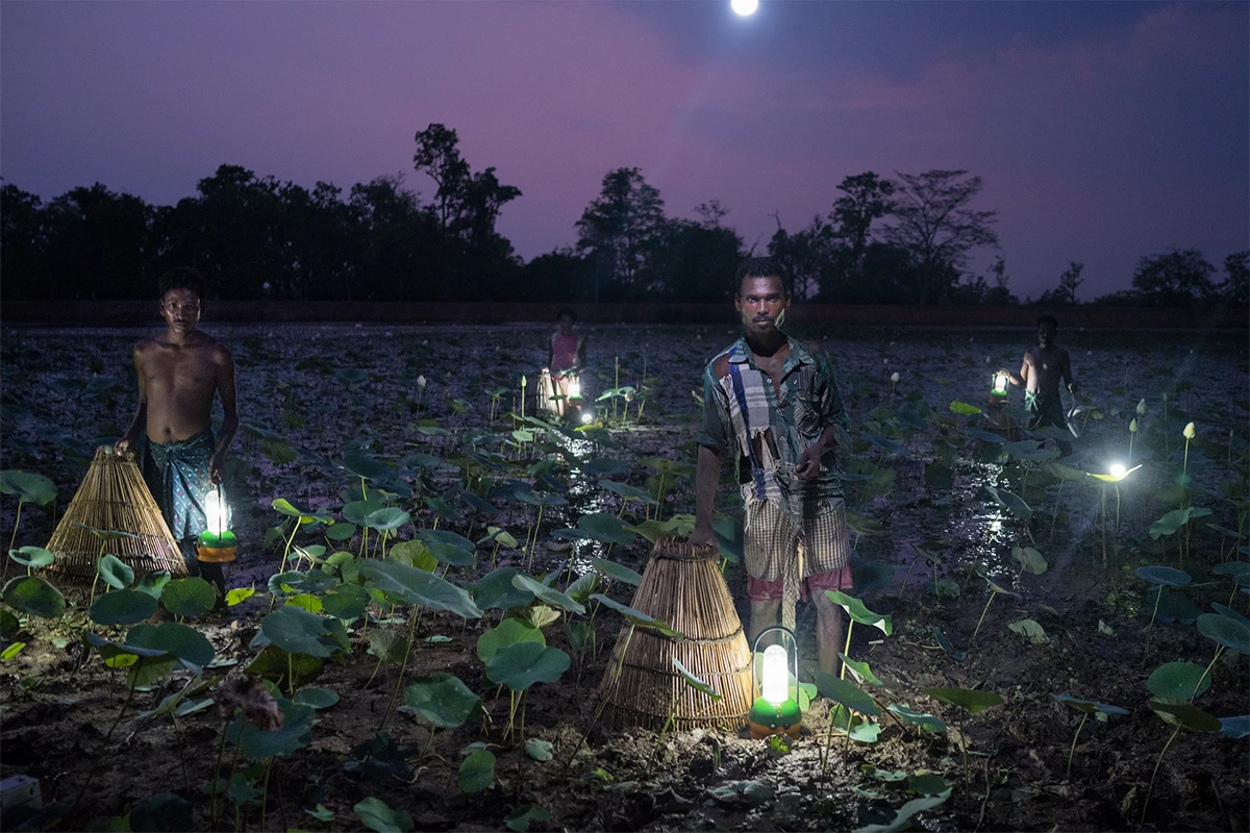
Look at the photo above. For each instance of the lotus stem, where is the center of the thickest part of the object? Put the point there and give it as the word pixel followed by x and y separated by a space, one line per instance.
pixel 1071 751
pixel 1150 788
pixel 1054 519
pixel 16 521
pixel 1103 489
pixel 986 610
pixel 850 626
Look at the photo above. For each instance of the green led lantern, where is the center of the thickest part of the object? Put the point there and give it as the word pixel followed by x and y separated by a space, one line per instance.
pixel 776 709
pixel 216 544
pixel 1000 382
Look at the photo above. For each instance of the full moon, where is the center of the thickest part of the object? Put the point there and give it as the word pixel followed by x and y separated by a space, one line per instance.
pixel 744 8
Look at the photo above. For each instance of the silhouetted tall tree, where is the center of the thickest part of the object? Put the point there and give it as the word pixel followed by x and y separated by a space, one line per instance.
pixel 933 223
pixel 1177 278
pixel 620 230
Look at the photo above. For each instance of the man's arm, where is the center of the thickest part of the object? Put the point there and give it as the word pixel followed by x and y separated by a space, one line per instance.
pixel 229 425
pixel 706 481
pixel 1067 373
pixel 139 424
pixel 1022 378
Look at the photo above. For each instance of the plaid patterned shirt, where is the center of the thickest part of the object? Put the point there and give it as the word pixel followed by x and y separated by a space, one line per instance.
pixel 769 430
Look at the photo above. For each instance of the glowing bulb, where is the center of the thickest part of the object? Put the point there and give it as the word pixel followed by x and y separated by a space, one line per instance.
pixel 575 388
pixel 1117 470
pixel 744 8
pixel 1000 383
pixel 215 511
pixel 775 685
pixel 587 417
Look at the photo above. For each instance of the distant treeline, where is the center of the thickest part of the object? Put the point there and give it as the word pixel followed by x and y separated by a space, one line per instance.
pixel 906 240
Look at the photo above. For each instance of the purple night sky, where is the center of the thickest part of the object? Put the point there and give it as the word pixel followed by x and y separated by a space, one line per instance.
pixel 1103 131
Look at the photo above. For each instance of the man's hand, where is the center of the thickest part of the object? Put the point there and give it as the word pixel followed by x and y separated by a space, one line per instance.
pixel 217 467
pixel 701 537
pixel 808 466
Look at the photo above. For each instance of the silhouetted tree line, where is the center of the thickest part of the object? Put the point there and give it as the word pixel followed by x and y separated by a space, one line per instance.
pixel 906 240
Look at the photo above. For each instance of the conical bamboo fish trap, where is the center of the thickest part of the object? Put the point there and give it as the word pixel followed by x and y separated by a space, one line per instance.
pixel 642 687
pixel 113 496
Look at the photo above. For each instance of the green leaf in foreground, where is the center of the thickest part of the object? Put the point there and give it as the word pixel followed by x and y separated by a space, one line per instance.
pixel 636 617
pixel 442 699
pixel 972 700
pixel 695 683
pixel 521 665
pixel 34 597
pixel 477 771
pixel 902 818
pixel 519 820
pixel 122 607
pixel 190 597
pixel 377 815
pixel 859 613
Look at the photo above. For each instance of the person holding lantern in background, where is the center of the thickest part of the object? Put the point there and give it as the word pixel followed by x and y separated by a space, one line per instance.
pixel 180 373
pixel 1044 366
pixel 771 401
pixel 566 356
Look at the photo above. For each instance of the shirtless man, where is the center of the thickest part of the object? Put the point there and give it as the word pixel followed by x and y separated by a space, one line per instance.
pixel 1043 367
pixel 180 371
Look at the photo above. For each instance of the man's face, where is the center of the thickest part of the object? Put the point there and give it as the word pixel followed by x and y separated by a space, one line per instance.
pixel 566 325
pixel 762 303
pixel 181 310
pixel 1045 334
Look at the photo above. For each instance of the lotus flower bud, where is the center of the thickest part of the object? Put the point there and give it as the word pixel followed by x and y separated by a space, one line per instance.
pixel 1189 431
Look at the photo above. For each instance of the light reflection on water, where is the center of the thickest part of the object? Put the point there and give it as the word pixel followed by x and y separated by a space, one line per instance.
pixel 980 533
pixel 584 498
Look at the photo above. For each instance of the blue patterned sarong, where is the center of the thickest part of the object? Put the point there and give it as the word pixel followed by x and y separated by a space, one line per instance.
pixel 177 475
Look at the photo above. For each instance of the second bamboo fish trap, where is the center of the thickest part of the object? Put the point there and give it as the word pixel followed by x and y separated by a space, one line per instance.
pixel 113 499
pixel 642 687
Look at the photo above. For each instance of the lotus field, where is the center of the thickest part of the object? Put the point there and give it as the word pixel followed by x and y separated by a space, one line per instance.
pixel 1048 630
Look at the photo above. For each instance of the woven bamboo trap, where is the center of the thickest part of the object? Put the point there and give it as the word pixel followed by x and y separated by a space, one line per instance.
pixel 683 587
pixel 113 496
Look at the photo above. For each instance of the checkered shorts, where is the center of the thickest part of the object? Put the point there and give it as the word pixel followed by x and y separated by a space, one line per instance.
pixel 780 550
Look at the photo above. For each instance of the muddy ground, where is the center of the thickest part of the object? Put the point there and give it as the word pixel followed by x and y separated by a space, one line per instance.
pixel 309 395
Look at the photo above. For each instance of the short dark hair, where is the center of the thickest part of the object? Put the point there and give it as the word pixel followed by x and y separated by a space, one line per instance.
pixel 1048 319
pixel 182 277
pixel 566 311
pixel 760 267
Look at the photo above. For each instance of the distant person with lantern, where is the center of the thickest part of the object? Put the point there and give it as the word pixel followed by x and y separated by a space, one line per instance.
pixel 180 373
pixel 772 406
pixel 1043 368
pixel 566 357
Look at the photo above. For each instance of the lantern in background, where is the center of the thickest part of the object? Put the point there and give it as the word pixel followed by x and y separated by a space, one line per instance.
pixel 776 678
pixel 1001 381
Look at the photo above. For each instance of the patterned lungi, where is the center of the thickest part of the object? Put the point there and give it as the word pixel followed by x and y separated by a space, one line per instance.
pixel 177 475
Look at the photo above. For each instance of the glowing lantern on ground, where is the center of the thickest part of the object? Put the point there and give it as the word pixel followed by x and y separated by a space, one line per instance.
pixel 776 709
pixel 216 543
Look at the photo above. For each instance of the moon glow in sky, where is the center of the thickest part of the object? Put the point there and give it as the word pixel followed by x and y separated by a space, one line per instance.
pixel 1103 131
